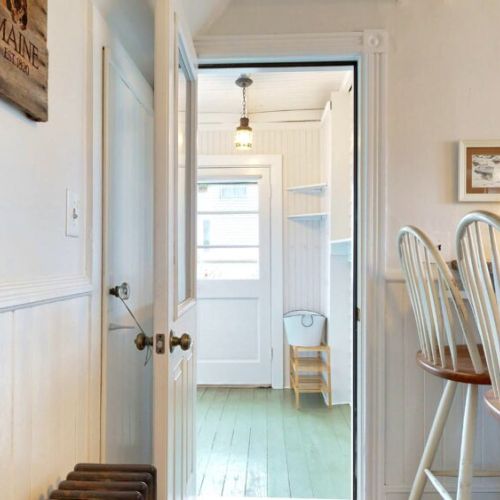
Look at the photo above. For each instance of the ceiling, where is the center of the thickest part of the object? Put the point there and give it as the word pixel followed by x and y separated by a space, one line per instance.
pixel 271 91
pixel 133 23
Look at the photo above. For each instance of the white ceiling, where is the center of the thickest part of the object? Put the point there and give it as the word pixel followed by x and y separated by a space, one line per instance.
pixel 133 23
pixel 201 14
pixel 271 91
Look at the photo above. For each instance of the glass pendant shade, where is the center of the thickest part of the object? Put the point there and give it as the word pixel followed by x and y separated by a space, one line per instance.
pixel 244 136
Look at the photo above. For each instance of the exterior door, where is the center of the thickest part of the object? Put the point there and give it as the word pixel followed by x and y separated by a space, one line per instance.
pixel 175 226
pixel 233 271
pixel 128 257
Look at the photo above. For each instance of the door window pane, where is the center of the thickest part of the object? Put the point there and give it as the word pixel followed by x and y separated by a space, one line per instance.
pixel 183 175
pixel 228 229
pixel 228 197
pixel 228 263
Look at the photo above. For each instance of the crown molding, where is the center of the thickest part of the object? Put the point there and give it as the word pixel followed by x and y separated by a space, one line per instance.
pixel 230 48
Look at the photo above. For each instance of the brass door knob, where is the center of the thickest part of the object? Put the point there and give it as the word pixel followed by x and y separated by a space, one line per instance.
pixel 184 341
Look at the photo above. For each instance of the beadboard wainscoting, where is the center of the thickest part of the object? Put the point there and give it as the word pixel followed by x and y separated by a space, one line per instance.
pixel 411 398
pixel 48 395
pixel 302 241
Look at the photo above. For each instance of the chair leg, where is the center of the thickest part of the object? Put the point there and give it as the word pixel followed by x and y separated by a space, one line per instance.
pixel 465 469
pixel 432 443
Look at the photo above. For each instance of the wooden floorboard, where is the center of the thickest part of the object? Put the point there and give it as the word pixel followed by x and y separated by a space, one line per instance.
pixel 278 484
pixel 236 476
pixel 253 442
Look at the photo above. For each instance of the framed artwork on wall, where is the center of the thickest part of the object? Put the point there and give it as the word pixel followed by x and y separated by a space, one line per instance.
pixel 479 171
pixel 24 58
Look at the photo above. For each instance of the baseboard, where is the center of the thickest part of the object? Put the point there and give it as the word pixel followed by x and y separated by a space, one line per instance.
pixel 404 489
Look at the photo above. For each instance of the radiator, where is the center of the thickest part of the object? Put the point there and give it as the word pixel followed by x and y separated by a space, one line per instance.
pixel 108 481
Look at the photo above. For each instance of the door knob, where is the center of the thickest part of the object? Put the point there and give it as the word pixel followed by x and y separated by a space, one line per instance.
pixel 184 341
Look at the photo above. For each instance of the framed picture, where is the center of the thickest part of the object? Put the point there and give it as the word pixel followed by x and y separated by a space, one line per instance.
pixel 479 171
pixel 24 58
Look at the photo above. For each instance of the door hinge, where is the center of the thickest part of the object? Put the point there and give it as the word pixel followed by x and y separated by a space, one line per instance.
pixel 272 353
pixel 358 314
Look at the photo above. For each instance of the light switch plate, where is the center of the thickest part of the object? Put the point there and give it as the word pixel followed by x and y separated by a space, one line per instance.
pixel 73 215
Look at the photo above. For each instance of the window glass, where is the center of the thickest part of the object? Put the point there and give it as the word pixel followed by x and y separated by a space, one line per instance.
pixel 228 263
pixel 228 197
pixel 228 230
pixel 183 175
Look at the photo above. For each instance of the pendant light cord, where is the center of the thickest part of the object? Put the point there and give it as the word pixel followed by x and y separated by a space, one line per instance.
pixel 244 115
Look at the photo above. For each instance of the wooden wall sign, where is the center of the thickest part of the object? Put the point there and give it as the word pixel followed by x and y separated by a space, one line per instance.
pixel 24 58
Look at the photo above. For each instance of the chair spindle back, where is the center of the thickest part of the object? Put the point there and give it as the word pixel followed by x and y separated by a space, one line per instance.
pixel 476 242
pixel 437 303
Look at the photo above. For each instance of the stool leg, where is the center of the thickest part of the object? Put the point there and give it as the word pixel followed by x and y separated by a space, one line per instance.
pixel 433 440
pixel 465 469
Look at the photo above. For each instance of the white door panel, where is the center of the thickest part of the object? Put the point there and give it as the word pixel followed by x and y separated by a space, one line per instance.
pixel 128 256
pixel 233 286
pixel 175 226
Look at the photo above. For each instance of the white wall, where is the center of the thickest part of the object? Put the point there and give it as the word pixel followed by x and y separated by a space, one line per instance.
pixel 40 160
pixel 442 86
pixel 49 341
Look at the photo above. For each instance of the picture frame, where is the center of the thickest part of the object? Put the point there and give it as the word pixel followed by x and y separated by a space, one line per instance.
pixel 479 170
pixel 24 57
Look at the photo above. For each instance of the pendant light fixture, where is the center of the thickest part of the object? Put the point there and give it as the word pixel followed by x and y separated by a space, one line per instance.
pixel 244 135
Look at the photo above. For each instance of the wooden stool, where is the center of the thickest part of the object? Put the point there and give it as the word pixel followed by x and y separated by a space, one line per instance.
pixel 307 373
pixel 477 238
pixel 435 297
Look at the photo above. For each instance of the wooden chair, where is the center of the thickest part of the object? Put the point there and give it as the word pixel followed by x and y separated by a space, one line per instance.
pixel 448 350
pixel 476 244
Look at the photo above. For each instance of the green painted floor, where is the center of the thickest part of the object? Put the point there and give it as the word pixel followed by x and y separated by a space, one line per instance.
pixel 253 442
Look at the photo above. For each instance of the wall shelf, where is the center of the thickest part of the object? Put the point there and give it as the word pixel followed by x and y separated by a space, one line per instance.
pixel 308 217
pixel 308 188
pixel 341 247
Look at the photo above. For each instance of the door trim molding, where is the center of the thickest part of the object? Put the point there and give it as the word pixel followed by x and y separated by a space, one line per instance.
pixel 369 50
pixel 275 165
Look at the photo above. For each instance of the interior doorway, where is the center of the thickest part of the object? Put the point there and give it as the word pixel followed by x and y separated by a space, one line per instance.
pixel 252 439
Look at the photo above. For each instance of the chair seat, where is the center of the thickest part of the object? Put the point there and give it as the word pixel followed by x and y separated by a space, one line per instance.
pixel 465 371
pixel 492 403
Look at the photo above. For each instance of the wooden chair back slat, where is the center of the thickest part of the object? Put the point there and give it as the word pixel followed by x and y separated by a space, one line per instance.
pixel 409 270
pixel 476 243
pixel 435 299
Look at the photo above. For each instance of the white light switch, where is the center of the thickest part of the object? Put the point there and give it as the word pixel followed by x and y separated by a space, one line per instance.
pixel 73 215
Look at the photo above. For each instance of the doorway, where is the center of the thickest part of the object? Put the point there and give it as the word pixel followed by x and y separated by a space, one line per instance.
pixel 252 441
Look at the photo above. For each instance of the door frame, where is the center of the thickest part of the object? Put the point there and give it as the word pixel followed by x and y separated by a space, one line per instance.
pixel 368 49
pixel 275 165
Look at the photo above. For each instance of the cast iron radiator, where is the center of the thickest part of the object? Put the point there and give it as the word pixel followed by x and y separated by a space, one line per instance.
pixel 108 481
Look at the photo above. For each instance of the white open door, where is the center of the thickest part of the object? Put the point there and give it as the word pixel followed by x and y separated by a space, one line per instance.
pixel 174 248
